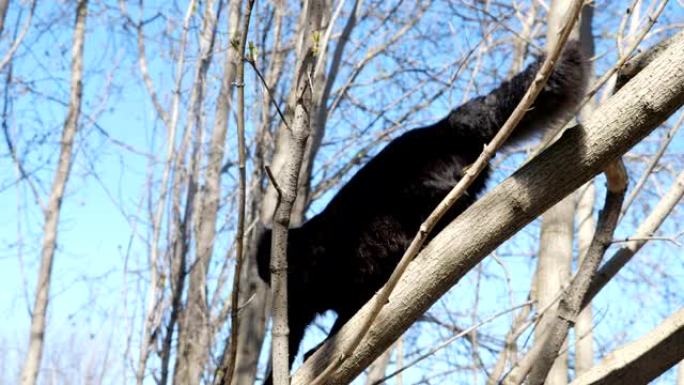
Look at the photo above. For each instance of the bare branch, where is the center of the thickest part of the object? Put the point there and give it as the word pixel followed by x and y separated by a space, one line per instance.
pixel 19 38
pixel 540 358
pixel 665 142
pixel 641 236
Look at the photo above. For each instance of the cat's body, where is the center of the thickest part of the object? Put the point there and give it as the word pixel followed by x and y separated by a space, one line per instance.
pixel 339 258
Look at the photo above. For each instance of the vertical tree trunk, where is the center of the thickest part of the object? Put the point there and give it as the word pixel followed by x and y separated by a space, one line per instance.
pixel 555 243
pixel 252 326
pixel 219 134
pixel 584 348
pixel 288 182
pixel 317 125
pixel 29 372
pixel 254 315
pixel 553 271
pixel 254 293
pixel 584 342
pixel 194 331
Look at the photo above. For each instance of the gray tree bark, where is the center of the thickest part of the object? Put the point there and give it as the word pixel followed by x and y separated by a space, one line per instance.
pixel 377 370
pixel 288 182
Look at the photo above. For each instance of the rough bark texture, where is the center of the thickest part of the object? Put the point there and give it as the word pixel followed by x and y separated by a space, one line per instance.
pixel 584 347
pixel 281 223
pixel 642 360
pixel 255 313
pixel 283 137
pixel 553 272
pixel 376 372
pixel 288 180
pixel 29 372
pixel 616 126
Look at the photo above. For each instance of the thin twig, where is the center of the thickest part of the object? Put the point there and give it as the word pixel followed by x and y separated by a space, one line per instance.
pixel 667 139
pixel 273 180
pixel 450 340
pixel 268 91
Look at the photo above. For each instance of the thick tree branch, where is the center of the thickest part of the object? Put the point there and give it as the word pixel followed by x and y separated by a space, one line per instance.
pixel 644 103
pixel 643 360
pixel 541 356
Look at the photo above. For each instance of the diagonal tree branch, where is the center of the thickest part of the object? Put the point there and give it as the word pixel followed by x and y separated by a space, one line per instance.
pixel 643 360
pixel 645 102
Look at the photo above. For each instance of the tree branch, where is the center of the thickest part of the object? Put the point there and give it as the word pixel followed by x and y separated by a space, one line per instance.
pixel 645 102
pixel 643 360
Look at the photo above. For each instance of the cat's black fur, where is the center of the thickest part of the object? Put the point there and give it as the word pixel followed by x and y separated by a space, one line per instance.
pixel 342 256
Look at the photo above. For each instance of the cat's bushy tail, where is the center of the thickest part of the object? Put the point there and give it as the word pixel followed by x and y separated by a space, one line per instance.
pixel 483 116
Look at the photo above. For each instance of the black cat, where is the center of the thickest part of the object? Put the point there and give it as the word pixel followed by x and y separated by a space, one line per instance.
pixel 338 259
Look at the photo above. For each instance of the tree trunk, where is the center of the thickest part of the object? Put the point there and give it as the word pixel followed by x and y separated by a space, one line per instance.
pixel 288 182
pixel 553 271
pixel 556 239
pixel 584 341
pixel 255 313
pixel 584 345
pixel 29 372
